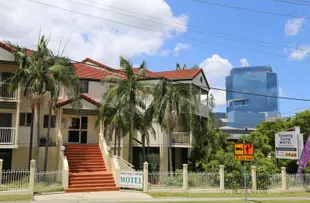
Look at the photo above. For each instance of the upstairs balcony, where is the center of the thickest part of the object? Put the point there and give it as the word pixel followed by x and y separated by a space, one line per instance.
pixel 7 137
pixel 5 95
pixel 202 110
pixel 181 139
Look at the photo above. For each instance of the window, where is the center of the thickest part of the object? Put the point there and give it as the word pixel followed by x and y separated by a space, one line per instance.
pixel 84 86
pixel 53 121
pixel 25 119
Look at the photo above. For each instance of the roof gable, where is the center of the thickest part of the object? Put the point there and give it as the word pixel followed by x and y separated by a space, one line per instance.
pixel 86 101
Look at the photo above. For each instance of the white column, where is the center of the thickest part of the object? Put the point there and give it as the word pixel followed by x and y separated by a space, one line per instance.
pixel 222 178
pixel 145 177
pixel 17 115
pixel 254 182
pixel 283 174
pixel 185 177
pixel 32 176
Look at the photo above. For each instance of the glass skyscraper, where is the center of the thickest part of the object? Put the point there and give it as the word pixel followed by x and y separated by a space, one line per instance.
pixel 245 110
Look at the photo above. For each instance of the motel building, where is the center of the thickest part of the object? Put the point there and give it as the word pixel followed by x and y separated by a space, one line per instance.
pixel 86 148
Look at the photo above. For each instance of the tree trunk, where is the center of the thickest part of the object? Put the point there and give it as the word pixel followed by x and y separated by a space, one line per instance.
pixel 115 140
pixel 148 149
pixel 31 137
pixel 170 151
pixel 48 135
pixel 38 138
pixel 143 148
pixel 119 143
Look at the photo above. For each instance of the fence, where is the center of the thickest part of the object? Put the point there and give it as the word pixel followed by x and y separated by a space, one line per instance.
pixel 28 181
pixel 221 182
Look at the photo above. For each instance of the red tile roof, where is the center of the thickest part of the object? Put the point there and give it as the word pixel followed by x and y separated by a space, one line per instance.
pixel 180 74
pixel 83 96
pixel 97 63
pixel 11 49
pixel 89 72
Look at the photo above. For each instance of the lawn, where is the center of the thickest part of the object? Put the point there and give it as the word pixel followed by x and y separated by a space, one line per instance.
pixel 230 201
pixel 219 195
pixel 9 198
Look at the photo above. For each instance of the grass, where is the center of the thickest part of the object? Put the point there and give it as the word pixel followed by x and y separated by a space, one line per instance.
pixel 10 198
pixel 242 201
pixel 219 195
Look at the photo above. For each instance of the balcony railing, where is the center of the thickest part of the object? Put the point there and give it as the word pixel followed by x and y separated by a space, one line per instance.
pixel 202 110
pixel 5 94
pixel 7 136
pixel 181 138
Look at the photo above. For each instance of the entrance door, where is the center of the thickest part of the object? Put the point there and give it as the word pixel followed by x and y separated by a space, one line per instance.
pixel 5 129
pixel 78 130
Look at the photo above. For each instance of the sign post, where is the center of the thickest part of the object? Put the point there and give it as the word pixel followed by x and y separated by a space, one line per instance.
pixel 244 152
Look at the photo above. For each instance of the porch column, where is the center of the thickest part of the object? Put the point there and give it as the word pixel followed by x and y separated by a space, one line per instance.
pixel 17 115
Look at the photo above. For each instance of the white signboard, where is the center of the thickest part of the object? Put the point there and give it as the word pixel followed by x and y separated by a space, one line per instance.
pixel 289 144
pixel 131 179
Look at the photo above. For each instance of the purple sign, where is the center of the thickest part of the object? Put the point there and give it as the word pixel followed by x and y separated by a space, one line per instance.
pixel 305 156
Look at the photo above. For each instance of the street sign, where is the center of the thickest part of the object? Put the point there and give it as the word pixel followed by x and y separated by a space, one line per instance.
pixel 289 144
pixel 244 152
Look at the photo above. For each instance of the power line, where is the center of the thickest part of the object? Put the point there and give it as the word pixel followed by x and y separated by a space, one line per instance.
pixel 261 95
pixel 247 9
pixel 196 29
pixel 299 3
pixel 155 31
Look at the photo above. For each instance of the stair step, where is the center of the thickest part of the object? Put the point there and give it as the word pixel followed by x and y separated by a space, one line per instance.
pixel 86 164
pixel 85 170
pixel 94 174
pixel 92 185
pixel 91 181
pixel 92 189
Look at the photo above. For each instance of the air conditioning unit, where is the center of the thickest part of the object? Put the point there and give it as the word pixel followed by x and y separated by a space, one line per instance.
pixel 43 141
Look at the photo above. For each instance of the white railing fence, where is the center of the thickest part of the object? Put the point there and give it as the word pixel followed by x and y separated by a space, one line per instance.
pixel 5 93
pixel 29 181
pixel 7 135
pixel 48 181
pixel 15 180
pixel 221 181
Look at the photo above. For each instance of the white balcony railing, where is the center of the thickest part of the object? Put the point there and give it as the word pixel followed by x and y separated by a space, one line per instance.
pixel 181 138
pixel 202 110
pixel 5 94
pixel 7 136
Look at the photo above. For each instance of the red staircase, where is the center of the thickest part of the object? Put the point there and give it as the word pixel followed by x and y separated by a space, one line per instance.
pixel 87 170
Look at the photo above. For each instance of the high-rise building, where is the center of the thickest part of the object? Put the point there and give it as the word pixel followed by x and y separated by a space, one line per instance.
pixel 246 110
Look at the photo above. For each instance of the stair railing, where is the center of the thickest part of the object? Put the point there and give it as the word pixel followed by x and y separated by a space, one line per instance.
pixel 110 160
pixel 124 165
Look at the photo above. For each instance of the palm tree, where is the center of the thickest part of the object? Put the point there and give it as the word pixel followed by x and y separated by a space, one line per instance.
pixel 126 91
pixel 45 73
pixel 145 127
pixel 173 103
pixel 115 116
pixel 64 76
pixel 20 78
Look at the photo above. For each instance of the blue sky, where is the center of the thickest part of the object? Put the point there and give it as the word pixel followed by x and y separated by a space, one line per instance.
pixel 91 36
pixel 293 75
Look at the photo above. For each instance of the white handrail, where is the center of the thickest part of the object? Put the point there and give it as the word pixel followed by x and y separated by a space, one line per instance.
pixel 7 135
pixel 124 161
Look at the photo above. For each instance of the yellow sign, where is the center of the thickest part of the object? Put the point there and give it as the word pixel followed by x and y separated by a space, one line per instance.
pixel 238 149
pixel 244 158
pixel 244 152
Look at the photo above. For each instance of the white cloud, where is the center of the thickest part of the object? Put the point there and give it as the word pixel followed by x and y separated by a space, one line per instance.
pixel 300 52
pixel 216 69
pixel 90 37
pixel 179 47
pixel 244 62
pixel 293 26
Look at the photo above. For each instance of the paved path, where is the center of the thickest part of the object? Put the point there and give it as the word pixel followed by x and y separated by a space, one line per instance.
pixel 125 196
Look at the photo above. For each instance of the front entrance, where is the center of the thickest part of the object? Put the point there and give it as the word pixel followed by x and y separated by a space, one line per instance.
pixel 78 130
pixel 5 129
